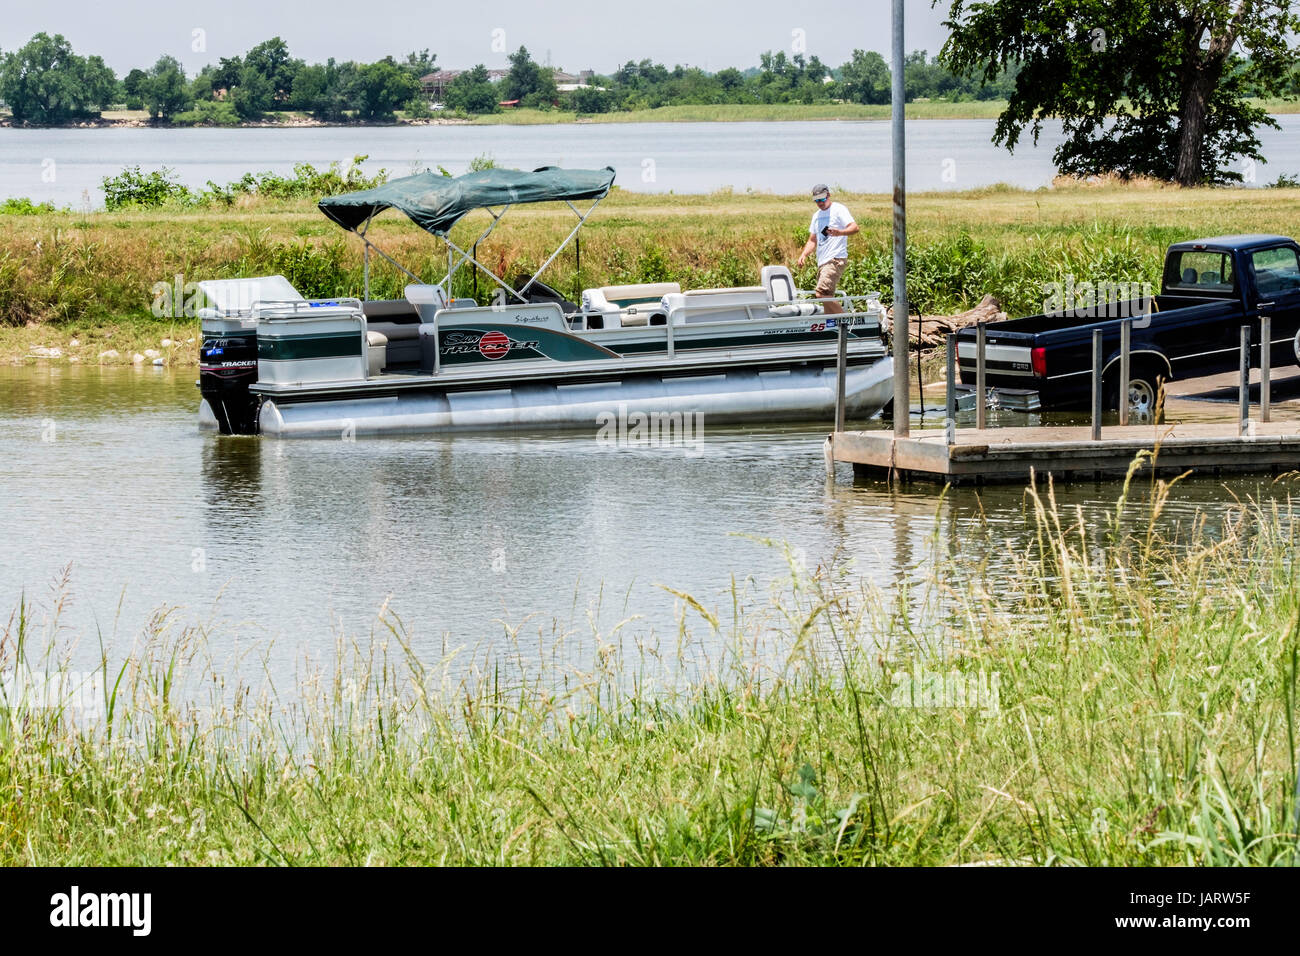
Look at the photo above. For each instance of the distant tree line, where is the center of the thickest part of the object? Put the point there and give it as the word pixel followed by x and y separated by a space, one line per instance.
pixel 47 83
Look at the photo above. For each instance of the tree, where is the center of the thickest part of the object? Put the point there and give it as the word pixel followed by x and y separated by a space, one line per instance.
pixel 473 92
pixel 865 78
pixel 166 91
pixel 1142 87
pixel 133 87
pixel 226 74
pixel 528 81
pixel 324 90
pixel 588 99
pixel 421 63
pixel 253 95
pixel 98 82
pixel 271 59
pixel 46 82
pixel 380 88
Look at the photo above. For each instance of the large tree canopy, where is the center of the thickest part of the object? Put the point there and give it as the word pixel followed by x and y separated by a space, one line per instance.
pixel 1142 87
pixel 45 82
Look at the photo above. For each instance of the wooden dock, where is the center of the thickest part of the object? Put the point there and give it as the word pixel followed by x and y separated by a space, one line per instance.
pixel 1069 454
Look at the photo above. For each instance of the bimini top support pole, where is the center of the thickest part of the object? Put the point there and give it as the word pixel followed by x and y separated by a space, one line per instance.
pixel 582 220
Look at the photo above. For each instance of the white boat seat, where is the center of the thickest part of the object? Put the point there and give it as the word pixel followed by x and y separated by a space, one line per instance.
pixel 734 289
pixel 794 309
pixel 633 304
pixel 716 305
pixel 779 283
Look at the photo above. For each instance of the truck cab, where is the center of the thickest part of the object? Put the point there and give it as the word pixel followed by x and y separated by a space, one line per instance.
pixel 1209 289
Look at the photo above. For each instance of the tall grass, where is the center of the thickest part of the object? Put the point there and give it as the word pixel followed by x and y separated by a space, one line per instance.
pixel 65 273
pixel 1145 680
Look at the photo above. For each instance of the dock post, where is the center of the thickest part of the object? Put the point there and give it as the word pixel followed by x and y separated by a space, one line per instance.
pixel 897 108
pixel 1096 385
pixel 1244 398
pixel 1125 344
pixel 981 398
pixel 950 391
pixel 841 363
pixel 1265 365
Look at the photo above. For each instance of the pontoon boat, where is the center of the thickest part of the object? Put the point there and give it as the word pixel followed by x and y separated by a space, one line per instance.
pixel 278 364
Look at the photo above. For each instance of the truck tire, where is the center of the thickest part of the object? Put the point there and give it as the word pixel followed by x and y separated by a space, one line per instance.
pixel 1142 394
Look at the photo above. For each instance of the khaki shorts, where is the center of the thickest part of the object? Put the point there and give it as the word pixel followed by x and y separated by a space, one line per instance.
pixel 828 276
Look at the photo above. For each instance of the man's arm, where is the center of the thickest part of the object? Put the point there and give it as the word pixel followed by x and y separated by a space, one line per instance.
pixel 809 247
pixel 850 230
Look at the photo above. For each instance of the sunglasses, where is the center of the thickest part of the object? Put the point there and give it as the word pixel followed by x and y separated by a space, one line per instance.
pixel 822 200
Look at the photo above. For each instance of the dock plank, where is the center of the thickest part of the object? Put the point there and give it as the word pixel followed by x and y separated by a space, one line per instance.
pixel 1009 454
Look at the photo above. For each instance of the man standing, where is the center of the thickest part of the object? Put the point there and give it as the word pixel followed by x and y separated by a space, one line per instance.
pixel 828 233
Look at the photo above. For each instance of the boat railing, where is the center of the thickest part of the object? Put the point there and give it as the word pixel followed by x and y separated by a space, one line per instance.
pixel 858 311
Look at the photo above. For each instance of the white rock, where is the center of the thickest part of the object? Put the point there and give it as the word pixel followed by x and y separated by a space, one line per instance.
pixel 40 351
pixel 108 354
pixel 74 343
pixel 189 341
pixel 151 353
pixel 166 343
pixel 137 359
pixel 73 360
pixel 159 361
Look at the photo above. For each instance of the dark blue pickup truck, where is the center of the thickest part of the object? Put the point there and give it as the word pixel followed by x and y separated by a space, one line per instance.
pixel 1210 289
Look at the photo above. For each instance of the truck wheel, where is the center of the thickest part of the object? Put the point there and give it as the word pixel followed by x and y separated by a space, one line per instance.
pixel 1142 394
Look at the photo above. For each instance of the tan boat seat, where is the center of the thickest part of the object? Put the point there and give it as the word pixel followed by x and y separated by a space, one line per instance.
pixel 376 351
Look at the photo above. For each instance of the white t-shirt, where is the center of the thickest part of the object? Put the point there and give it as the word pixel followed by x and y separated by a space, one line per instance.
pixel 836 216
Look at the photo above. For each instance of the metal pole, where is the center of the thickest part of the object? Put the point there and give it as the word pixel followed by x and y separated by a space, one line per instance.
pixel 1244 398
pixel 1265 365
pixel 950 389
pixel 902 400
pixel 981 403
pixel 841 362
pixel 1096 384
pixel 1125 338
pixel 365 285
pixel 920 377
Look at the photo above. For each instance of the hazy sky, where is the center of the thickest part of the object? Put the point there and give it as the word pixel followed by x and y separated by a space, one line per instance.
pixel 578 34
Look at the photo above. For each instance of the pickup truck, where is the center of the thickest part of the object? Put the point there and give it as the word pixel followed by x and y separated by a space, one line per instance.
pixel 1210 288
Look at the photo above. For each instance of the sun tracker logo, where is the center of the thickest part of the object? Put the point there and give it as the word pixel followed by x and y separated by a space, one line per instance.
pixel 493 345
pixel 75 909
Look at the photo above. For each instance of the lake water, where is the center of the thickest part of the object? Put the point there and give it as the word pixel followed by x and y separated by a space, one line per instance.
pixel 277 547
pixel 64 165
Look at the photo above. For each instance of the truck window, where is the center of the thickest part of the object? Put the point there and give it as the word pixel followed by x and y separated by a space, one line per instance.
pixel 1197 271
pixel 1276 270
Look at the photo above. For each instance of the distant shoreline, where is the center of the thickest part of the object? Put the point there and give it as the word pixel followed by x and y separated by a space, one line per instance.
pixel 721 113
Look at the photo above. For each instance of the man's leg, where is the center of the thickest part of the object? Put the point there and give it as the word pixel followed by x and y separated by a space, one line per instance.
pixel 828 277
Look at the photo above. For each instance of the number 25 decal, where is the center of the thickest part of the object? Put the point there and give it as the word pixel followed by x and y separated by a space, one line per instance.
pixel 818 327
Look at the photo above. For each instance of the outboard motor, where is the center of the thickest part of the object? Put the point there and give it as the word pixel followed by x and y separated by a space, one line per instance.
pixel 227 367
pixel 228 358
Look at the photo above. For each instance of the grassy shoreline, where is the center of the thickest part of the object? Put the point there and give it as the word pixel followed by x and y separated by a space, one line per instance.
pixel 1128 698
pixel 89 277
pixel 679 113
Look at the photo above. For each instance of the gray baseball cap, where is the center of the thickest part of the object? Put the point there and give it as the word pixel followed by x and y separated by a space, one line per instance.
pixel 820 190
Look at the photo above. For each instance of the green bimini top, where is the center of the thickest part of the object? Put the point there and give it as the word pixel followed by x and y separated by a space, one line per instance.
pixel 436 202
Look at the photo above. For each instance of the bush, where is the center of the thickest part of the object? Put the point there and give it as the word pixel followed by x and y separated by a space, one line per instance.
pixel 208 113
pixel 131 187
pixel 22 206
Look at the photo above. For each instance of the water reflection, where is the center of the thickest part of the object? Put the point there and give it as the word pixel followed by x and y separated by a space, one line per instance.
pixel 467 538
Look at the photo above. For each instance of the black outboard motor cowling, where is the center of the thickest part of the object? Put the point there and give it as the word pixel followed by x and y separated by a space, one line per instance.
pixel 227 367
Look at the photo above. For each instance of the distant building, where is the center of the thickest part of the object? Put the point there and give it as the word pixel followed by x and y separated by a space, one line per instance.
pixel 434 85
